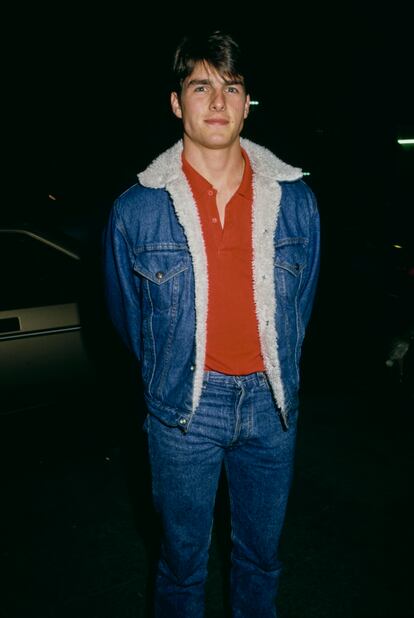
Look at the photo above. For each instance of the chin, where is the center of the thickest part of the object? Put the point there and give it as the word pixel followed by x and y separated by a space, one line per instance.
pixel 220 142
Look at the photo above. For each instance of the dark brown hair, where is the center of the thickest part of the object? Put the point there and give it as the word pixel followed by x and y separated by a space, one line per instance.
pixel 217 49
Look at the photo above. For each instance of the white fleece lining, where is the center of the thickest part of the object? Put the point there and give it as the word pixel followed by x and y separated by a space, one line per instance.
pixel 166 172
pixel 188 216
pixel 266 202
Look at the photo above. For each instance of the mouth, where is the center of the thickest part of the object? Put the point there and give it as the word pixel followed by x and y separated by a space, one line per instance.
pixel 217 121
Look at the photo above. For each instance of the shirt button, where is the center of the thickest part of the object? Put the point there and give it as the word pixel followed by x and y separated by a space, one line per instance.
pixel 214 220
pixel 210 193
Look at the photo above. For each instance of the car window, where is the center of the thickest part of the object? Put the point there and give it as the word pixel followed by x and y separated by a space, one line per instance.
pixel 34 273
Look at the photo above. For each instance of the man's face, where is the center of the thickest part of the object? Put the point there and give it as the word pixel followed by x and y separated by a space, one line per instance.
pixel 212 109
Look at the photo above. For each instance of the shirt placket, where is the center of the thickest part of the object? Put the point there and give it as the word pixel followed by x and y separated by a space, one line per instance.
pixel 214 218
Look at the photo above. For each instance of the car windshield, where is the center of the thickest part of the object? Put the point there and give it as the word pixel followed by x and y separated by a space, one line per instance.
pixel 34 273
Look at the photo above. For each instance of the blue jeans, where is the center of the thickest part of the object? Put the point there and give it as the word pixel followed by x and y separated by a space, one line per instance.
pixel 237 424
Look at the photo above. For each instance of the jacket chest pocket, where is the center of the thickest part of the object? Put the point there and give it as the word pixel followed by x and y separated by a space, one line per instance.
pixel 289 264
pixel 163 274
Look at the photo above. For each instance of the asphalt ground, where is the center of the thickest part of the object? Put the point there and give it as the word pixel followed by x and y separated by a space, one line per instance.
pixel 79 536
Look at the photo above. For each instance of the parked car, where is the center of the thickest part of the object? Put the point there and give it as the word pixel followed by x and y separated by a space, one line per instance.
pixel 44 356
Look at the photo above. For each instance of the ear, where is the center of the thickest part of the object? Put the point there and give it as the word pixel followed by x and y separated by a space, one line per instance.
pixel 247 106
pixel 175 105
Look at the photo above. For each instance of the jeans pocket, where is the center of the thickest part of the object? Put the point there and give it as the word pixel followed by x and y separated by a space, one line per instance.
pixel 263 381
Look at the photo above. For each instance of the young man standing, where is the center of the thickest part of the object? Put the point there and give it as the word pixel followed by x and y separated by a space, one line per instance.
pixel 211 266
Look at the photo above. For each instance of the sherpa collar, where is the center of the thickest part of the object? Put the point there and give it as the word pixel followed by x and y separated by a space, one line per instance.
pixel 167 167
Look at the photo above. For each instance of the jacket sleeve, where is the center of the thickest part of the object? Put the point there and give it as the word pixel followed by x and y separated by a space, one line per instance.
pixel 310 279
pixel 121 284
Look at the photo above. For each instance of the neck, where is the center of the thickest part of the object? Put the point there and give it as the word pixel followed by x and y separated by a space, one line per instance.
pixel 221 167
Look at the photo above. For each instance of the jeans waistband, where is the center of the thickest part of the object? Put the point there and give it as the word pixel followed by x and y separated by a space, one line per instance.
pixel 259 378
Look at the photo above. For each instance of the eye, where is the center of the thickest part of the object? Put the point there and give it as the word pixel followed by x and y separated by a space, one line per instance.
pixel 232 89
pixel 200 88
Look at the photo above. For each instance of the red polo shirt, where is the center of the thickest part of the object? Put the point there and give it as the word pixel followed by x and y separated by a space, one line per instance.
pixel 233 345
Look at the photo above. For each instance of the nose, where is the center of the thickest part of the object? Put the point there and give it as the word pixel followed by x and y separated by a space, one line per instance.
pixel 217 102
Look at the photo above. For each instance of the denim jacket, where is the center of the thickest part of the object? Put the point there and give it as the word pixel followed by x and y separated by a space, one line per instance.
pixel 156 279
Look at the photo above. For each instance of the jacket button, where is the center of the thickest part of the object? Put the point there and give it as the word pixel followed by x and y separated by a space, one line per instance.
pixel 192 367
pixel 159 275
pixel 183 421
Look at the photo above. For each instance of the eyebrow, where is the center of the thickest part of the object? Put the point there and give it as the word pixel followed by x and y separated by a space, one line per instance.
pixel 207 82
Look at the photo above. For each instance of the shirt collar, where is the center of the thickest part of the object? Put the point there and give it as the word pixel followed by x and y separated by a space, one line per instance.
pixel 200 185
pixel 245 188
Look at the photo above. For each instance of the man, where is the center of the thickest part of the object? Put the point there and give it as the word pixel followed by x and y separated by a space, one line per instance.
pixel 211 267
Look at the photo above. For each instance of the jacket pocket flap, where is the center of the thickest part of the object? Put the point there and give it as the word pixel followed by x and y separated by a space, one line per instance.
pixel 160 266
pixel 291 254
